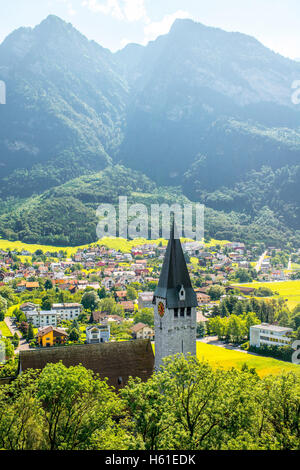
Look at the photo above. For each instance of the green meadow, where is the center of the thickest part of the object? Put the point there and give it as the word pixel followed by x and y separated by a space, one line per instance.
pixel 220 357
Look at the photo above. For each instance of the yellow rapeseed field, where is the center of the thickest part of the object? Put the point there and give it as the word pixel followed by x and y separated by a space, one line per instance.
pixel 112 243
pixel 289 290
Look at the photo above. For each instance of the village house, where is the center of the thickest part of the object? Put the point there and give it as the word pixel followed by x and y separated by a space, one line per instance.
pixel 202 298
pixel 49 336
pixel 142 331
pixel 29 307
pixel 127 305
pixel 98 333
pixel 121 295
pixel 100 317
pixel 30 286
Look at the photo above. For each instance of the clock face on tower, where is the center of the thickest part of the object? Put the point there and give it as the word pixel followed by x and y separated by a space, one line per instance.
pixel 161 309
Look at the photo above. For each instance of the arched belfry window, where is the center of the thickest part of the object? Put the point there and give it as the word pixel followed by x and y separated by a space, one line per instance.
pixel 181 293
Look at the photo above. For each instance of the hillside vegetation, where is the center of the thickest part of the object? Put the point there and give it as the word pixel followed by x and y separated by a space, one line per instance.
pixel 199 114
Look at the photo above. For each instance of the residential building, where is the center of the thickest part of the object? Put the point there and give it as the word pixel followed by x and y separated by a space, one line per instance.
pixel 98 333
pixel 127 305
pixel 142 331
pixel 67 311
pixel 29 307
pixel 59 312
pixel 269 335
pixel 202 299
pixel 40 318
pixel 145 300
pixel 49 336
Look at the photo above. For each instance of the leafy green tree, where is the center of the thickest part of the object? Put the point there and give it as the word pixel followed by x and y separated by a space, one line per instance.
pixel 250 320
pixel 218 326
pixel 236 329
pixel 224 310
pixel 102 293
pixel 279 404
pixel 239 308
pixel 9 349
pixel 15 340
pixel 131 293
pixel 30 332
pixel 46 303
pixel 216 292
pixel 21 422
pixel 79 409
pixel 188 405
pixel 110 306
pixel 201 330
pixel 90 301
pixel 264 292
pixel 8 293
pixel 3 306
pixel 146 316
pixel 243 275
pixel 74 335
pixel 48 284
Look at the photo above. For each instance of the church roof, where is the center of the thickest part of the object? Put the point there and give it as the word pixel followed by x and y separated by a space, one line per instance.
pixel 174 275
pixel 117 360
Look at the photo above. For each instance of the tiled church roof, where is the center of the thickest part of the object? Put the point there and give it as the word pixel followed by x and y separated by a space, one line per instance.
pixel 116 360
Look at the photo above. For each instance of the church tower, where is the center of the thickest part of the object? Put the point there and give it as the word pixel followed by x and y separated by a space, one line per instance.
pixel 175 305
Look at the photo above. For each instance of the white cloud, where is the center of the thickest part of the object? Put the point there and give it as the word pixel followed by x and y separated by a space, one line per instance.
pixel 135 10
pixel 126 10
pixel 68 3
pixel 157 28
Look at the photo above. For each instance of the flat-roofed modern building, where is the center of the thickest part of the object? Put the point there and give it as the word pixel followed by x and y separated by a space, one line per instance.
pixel 40 318
pixel 145 300
pixel 269 335
pixel 68 311
pixel 58 313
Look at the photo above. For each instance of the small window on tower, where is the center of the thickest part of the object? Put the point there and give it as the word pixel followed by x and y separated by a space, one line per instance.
pixel 182 312
pixel 188 312
pixel 176 312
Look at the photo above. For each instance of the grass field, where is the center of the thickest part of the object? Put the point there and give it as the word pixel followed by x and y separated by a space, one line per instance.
pixel 289 290
pixel 225 358
pixel 4 329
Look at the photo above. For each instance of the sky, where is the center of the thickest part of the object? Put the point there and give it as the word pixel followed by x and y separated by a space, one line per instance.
pixel 115 23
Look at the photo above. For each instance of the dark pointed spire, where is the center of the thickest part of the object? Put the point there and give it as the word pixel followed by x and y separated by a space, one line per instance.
pixel 174 275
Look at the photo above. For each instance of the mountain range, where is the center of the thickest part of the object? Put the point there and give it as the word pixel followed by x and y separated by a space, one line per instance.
pixel 198 115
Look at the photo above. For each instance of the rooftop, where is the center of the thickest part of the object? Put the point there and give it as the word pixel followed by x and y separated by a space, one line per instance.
pixel 275 328
pixel 116 360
